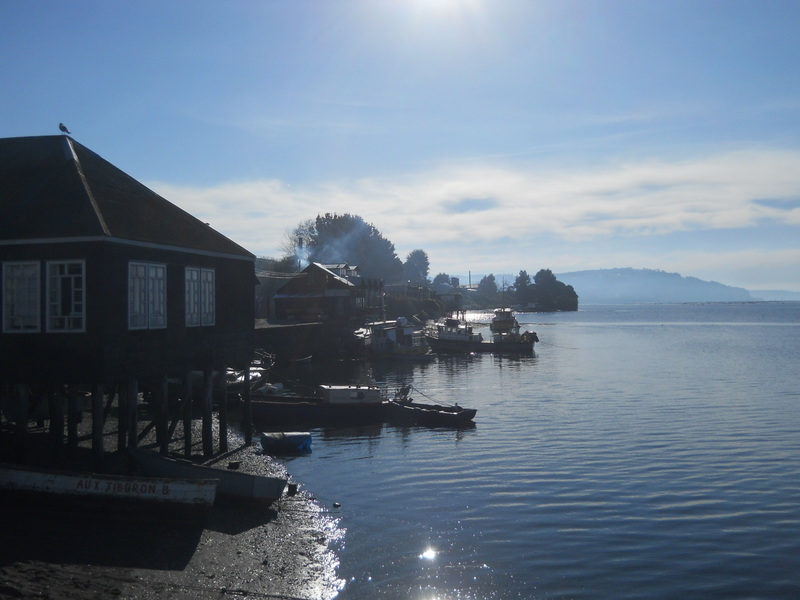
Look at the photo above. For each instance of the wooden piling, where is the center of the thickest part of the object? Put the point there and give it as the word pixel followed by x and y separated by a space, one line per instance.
pixel 162 416
pixel 97 424
pixel 247 416
pixel 133 413
pixel 208 434
pixel 187 414
pixel 73 416
pixel 223 409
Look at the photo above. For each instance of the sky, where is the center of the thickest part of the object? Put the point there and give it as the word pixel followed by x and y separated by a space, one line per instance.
pixel 495 135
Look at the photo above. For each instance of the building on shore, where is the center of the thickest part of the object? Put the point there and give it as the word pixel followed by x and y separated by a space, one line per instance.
pixel 105 284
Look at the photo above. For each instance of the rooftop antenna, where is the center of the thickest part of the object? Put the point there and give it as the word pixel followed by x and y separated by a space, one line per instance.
pixel 63 128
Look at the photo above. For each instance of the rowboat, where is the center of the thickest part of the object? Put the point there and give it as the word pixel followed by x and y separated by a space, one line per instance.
pixel 188 497
pixel 432 415
pixel 232 485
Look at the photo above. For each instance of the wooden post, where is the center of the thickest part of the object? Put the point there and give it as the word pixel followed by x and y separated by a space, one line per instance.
pixel 23 402
pixel 208 434
pixel 97 424
pixel 56 408
pixel 247 415
pixel 123 411
pixel 223 410
pixel 187 414
pixel 162 416
pixel 73 416
pixel 133 413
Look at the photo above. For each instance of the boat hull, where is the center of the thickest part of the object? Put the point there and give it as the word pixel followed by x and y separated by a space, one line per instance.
pixel 189 497
pixel 232 485
pixel 431 415
pixel 454 346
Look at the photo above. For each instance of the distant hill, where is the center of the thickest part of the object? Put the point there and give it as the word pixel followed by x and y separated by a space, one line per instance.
pixel 622 286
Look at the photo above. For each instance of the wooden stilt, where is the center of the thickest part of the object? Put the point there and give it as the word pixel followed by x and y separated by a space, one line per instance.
pixel 123 416
pixel 223 410
pixel 187 415
pixel 23 403
pixel 56 408
pixel 73 416
pixel 247 416
pixel 208 434
pixel 162 416
pixel 133 413
pixel 97 425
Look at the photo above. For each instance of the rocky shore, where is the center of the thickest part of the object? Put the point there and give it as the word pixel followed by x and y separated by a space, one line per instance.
pixel 284 552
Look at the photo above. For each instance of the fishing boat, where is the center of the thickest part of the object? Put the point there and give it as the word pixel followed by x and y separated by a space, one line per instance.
pixel 232 485
pixel 393 339
pixel 188 497
pixel 432 415
pixel 452 335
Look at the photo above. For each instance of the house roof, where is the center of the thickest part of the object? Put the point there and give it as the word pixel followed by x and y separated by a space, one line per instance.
pixel 54 188
pixel 317 281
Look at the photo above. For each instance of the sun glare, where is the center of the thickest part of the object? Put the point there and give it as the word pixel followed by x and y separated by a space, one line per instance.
pixel 429 554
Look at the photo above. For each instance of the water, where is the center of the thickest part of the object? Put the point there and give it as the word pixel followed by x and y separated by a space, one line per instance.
pixel 648 451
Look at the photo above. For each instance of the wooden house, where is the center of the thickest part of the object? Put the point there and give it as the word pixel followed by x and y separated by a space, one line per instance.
pixel 316 294
pixel 105 283
pixel 103 279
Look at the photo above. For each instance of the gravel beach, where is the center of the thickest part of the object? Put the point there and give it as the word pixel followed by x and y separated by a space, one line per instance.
pixel 286 551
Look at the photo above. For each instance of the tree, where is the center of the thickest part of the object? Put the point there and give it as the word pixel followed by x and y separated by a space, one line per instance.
pixel 487 289
pixel 416 267
pixel 346 238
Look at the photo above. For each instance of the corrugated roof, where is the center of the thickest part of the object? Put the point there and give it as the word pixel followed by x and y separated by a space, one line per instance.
pixel 53 187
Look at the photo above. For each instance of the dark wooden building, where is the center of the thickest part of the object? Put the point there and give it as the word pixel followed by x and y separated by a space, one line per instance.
pixel 104 281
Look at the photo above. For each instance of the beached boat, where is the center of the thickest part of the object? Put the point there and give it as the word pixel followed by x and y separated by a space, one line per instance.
pixel 396 339
pixel 452 335
pixel 355 404
pixel 232 485
pixel 187 497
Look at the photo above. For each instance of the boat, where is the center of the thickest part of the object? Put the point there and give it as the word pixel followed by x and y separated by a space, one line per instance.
pixel 232 485
pixel 286 442
pixel 394 339
pixel 452 335
pixel 355 404
pixel 183 496
pixel 331 404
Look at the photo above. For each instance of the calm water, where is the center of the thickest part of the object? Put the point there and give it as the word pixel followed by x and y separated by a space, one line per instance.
pixel 644 452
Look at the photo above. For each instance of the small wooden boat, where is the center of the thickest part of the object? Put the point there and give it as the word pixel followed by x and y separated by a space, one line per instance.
pixel 333 404
pixel 431 415
pixel 188 497
pixel 232 485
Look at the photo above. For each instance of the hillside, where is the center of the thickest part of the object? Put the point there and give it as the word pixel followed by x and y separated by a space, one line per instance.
pixel 621 286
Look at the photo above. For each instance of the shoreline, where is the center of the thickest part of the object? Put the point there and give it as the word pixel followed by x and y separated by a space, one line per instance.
pixel 285 551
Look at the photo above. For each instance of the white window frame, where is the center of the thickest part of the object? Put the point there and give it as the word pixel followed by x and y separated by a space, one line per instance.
pixel 147 295
pixel 21 297
pixel 66 296
pixel 201 299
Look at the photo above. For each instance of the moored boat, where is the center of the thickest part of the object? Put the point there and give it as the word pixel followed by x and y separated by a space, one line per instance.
pixel 364 404
pixel 397 339
pixel 232 485
pixel 181 496
pixel 286 442
pixel 452 335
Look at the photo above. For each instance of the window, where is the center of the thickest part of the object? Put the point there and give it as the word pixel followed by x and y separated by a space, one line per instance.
pixel 66 302
pixel 147 295
pixel 21 297
pixel 200 297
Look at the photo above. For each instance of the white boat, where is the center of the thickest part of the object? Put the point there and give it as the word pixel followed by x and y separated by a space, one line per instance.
pixel 451 335
pixel 190 497
pixel 232 485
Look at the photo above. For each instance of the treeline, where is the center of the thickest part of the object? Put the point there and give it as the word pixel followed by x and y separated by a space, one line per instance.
pixel 333 238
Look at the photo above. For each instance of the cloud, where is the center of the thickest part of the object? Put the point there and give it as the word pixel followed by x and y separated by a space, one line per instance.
pixel 487 212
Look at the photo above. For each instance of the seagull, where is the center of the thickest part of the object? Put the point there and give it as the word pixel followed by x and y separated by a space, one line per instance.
pixel 63 128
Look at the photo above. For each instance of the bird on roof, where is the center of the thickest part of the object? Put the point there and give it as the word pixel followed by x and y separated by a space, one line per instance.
pixel 63 128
